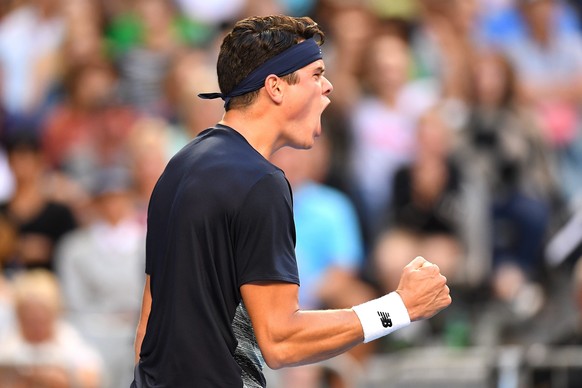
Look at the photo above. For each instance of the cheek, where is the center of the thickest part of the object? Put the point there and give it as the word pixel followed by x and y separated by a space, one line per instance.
pixel 304 106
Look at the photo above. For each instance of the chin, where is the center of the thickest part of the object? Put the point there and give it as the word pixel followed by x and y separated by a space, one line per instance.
pixel 308 144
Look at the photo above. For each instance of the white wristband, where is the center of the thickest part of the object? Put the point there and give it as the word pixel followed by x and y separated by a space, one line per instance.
pixel 382 316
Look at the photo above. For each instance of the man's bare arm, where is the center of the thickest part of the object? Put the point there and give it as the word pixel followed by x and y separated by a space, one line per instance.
pixel 289 336
pixel 146 307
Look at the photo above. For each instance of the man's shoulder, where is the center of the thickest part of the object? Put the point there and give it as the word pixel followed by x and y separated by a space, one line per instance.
pixel 221 146
pixel 217 165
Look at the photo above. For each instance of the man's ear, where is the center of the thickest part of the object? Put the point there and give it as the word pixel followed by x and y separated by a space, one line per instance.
pixel 274 86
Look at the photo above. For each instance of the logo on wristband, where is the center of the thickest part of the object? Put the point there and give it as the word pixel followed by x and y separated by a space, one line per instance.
pixel 385 319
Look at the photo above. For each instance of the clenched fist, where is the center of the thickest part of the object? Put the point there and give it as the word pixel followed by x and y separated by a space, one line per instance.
pixel 423 289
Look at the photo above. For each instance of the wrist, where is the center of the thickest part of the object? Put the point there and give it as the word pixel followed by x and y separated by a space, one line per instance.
pixel 412 314
pixel 382 316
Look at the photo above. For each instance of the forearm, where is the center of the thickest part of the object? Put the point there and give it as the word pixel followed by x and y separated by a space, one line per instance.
pixel 312 336
pixel 289 336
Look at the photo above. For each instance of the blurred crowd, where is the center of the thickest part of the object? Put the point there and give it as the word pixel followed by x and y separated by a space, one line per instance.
pixel 455 133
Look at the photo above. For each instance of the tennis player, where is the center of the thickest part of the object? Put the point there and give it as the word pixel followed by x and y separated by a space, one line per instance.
pixel 221 289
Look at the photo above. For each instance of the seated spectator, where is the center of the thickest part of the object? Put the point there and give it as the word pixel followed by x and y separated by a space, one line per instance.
pixel 504 147
pixel 38 220
pixel 100 267
pixel 191 72
pixel 89 128
pixel 383 125
pixel 154 34
pixel 42 350
pixel 424 217
pixel 84 40
pixel 30 36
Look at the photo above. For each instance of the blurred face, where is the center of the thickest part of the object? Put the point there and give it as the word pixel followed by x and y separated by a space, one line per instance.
pixel 155 15
pixel 26 165
pixel 305 101
pixel 37 321
pixel 94 88
pixel 148 168
pixel 360 23
pixel 390 64
pixel 434 136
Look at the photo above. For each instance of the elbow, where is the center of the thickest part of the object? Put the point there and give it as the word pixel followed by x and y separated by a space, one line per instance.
pixel 273 363
pixel 277 355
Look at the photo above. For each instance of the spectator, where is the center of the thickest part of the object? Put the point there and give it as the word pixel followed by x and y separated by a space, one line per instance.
pixel 426 207
pixel 89 89
pixel 502 20
pixel 84 39
pixel 191 73
pixel 90 128
pixel 43 350
pixel 383 125
pixel 30 36
pixel 100 267
pixel 548 63
pixel 345 49
pixel 144 63
pixel 503 144
pixel 442 42
pixel 39 220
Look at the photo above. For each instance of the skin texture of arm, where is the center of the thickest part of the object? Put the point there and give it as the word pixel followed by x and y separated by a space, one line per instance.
pixel 289 336
pixel 146 307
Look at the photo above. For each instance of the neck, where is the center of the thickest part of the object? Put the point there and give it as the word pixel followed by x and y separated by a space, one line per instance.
pixel 260 129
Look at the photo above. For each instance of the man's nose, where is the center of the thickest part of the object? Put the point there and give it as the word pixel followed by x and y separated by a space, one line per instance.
pixel 327 87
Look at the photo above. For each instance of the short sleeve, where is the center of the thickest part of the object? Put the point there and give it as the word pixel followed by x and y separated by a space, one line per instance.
pixel 264 233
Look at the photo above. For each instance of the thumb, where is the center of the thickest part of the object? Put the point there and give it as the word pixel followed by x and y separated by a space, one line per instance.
pixel 417 263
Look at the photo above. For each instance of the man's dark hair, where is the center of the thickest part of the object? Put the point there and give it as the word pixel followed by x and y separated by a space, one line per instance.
pixel 252 42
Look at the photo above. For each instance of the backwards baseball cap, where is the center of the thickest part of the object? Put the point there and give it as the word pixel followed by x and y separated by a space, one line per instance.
pixel 294 58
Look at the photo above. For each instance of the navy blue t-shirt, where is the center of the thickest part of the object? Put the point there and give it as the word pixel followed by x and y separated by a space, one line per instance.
pixel 220 216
